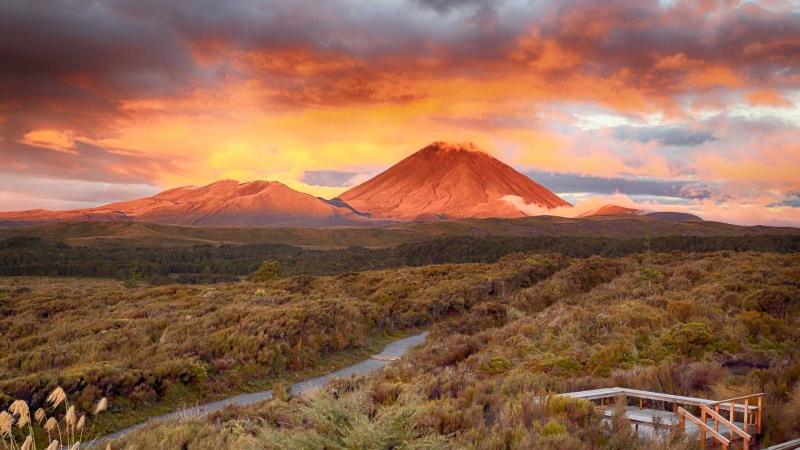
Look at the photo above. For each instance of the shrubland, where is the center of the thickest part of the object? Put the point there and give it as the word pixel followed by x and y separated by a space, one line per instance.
pixel 707 325
pixel 149 349
pixel 503 336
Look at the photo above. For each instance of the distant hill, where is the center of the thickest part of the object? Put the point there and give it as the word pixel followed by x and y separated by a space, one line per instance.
pixel 447 181
pixel 610 210
pixel 224 203
pixel 152 234
pixel 673 216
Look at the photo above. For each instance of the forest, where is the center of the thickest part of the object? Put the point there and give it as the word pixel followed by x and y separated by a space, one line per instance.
pixel 32 256
pixel 503 334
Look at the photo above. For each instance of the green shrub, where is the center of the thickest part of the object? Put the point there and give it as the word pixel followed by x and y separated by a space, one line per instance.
pixel 554 428
pixel 690 339
pixel 269 270
pixel 774 301
pixel 497 364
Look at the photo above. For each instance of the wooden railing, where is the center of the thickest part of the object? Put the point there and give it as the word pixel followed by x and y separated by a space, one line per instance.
pixel 713 410
pixel 731 427
pixel 788 445
pixel 748 418
pixel 749 408
pixel 704 428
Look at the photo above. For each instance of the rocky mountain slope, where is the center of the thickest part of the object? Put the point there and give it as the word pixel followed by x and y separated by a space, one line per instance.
pixel 447 181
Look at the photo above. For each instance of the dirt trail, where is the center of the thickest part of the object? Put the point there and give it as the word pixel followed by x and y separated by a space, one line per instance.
pixel 394 350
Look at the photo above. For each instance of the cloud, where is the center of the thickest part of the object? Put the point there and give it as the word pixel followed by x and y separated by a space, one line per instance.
pixel 697 190
pixel 332 178
pixel 792 200
pixel 585 206
pixel 313 52
pixel 567 183
pixel 768 97
pixel 664 135
pixel 740 214
pixel 489 122
pixel 54 140
pixel 445 6
pixel 18 193
pixel 43 158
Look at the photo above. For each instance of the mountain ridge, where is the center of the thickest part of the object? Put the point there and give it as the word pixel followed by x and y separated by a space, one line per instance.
pixel 222 203
pixel 611 210
pixel 439 182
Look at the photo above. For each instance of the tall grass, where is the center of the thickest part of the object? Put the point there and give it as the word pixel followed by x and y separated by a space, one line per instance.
pixel 351 421
pixel 18 430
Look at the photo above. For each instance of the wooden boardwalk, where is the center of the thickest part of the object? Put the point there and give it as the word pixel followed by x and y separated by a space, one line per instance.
pixel 721 421
pixel 610 393
pixel 789 445
pixel 386 358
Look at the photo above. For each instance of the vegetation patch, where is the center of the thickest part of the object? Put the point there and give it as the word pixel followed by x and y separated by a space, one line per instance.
pixel 504 338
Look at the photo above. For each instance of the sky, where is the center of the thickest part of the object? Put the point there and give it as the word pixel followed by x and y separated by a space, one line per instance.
pixel 661 104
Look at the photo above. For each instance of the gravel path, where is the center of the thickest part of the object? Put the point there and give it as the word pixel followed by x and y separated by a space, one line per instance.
pixel 394 350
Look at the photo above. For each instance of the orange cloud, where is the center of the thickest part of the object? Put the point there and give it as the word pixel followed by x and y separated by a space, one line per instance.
pixel 544 54
pixel 59 141
pixel 678 61
pixel 768 97
pixel 712 76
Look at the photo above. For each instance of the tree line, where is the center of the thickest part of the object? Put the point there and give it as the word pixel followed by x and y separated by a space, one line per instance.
pixel 32 256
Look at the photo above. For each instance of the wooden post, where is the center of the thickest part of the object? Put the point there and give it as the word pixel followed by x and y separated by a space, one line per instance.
pixel 640 403
pixel 702 429
pixel 758 418
pixel 733 409
pixel 746 422
pixel 682 423
pixel 716 423
pixel 746 442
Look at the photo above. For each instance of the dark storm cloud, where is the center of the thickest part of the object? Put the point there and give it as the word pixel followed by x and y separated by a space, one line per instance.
pixel 333 178
pixel 47 39
pixel 664 50
pixel 66 65
pixel 664 135
pixel 564 183
pixel 636 36
pixel 134 49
